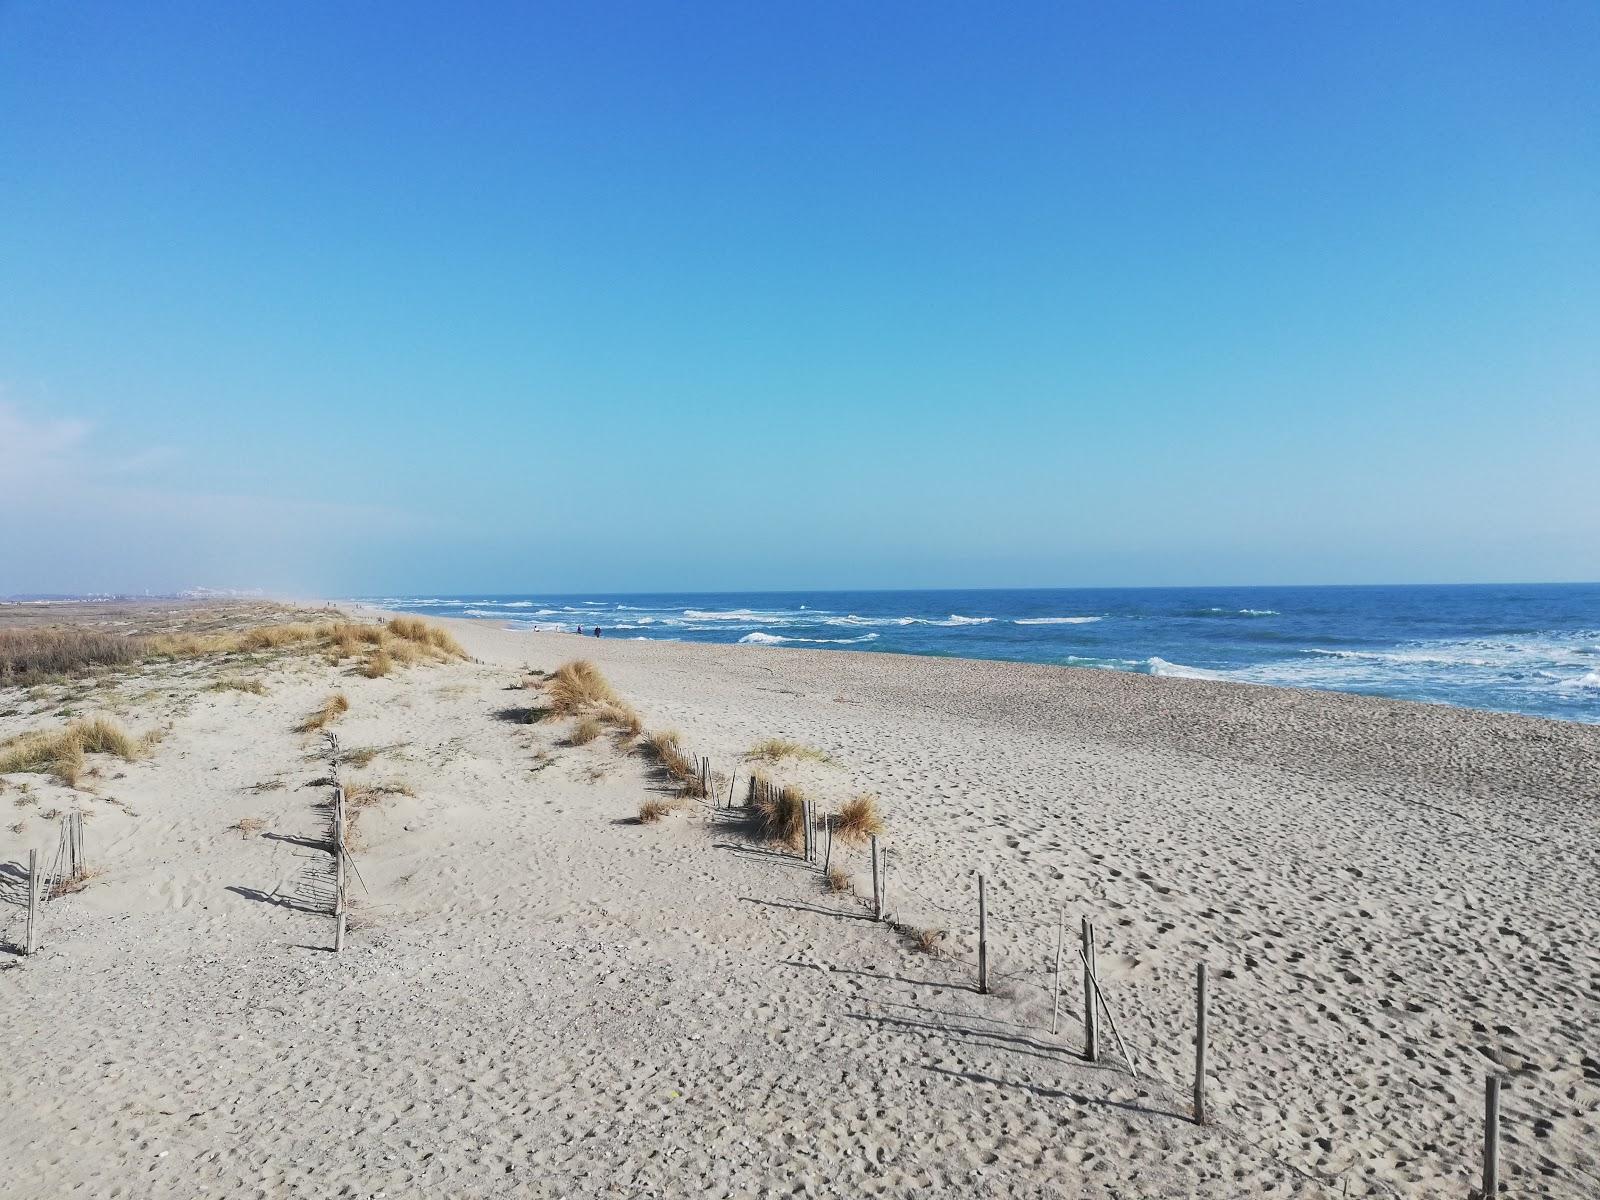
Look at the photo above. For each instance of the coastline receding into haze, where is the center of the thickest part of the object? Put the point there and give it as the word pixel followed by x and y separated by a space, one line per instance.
pixel 837 600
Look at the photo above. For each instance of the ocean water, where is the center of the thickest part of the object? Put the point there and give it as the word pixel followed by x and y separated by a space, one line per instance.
pixel 1527 648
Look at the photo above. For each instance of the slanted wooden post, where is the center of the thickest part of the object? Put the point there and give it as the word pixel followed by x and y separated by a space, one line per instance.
pixel 827 858
pixel 877 896
pixel 1200 1046
pixel 338 932
pixel 1491 1137
pixel 83 854
pixel 1055 997
pixel 33 902
pixel 983 939
pixel 1091 1010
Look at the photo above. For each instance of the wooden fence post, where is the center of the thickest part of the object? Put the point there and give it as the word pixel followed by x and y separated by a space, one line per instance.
pixel 983 939
pixel 877 896
pixel 1491 1137
pixel 33 902
pixel 1055 998
pixel 1091 1010
pixel 1200 1045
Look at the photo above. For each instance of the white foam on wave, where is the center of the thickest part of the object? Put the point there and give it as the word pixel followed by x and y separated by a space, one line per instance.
pixel 1172 670
pixel 772 639
pixel 1054 620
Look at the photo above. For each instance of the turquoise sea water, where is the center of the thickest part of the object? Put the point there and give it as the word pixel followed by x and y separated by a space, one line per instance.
pixel 1528 648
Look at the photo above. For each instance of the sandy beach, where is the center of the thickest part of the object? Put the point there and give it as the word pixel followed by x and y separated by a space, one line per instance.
pixel 542 997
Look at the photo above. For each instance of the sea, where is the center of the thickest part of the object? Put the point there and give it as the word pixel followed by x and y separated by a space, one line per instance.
pixel 1523 648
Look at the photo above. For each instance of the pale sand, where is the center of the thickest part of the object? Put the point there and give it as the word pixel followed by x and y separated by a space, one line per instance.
pixel 549 1000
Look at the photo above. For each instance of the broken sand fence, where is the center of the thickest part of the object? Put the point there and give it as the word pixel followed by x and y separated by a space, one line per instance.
pixel 42 881
pixel 1032 955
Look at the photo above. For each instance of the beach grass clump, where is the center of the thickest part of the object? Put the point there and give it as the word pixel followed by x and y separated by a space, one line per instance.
pixel 859 820
pixel 780 815
pixel 365 795
pixel 60 754
pixel 655 809
pixel 30 656
pixel 234 683
pixel 774 749
pixel 431 638
pixel 577 686
pixel 379 663
pixel 331 709
pixel 585 731
pixel 621 717
pixel 837 880
pixel 678 766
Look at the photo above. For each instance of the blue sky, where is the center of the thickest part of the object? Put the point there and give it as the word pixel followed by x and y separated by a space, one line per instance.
pixel 375 298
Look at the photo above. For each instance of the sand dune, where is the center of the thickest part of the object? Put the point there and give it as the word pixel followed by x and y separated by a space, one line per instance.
pixel 543 998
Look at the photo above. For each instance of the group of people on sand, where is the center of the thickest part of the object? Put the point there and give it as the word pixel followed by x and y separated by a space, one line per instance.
pixel 596 631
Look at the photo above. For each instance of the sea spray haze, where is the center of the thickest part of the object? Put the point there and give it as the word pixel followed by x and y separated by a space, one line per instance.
pixel 1528 648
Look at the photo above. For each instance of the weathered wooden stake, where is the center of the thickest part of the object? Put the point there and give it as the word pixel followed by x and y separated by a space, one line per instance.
pixel 1491 1137
pixel 33 902
pixel 877 896
pixel 827 858
pixel 83 854
pixel 338 932
pixel 1200 1045
pixel 1091 1011
pixel 732 779
pixel 983 939
pixel 1061 941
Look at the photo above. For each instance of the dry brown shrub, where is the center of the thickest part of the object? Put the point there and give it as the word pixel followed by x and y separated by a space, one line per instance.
pixel 859 820
pixel 334 707
pixel 578 685
pixel 585 731
pixel 781 816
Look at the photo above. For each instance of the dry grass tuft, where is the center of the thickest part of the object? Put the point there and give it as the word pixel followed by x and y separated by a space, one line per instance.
pixel 430 637
pixel 365 795
pixel 781 816
pixel 774 749
pixel 61 754
pixel 577 686
pixel 248 827
pixel 925 941
pixel 379 663
pixel 334 707
pixel 234 684
pixel 621 717
pixel 859 820
pixel 28 656
pixel 677 765
pixel 838 880
pixel 585 731
pixel 71 884
pixel 653 810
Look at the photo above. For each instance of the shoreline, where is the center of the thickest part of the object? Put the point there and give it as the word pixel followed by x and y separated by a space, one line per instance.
pixel 1393 898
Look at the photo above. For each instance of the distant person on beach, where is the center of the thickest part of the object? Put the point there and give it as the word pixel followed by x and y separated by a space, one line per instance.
pixel 580 630
pixel 597 631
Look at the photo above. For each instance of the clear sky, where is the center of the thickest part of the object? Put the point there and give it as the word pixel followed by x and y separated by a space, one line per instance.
pixel 346 298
